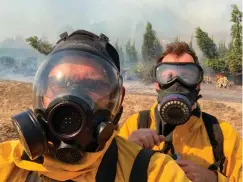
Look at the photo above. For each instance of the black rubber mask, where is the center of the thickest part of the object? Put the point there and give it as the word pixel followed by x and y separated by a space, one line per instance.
pixel 175 103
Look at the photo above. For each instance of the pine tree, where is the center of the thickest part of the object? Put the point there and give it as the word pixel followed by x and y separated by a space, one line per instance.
pixel 121 55
pixel 235 48
pixel 222 49
pixel 158 48
pixel 120 52
pixel 133 53
pixel 128 50
pixel 206 44
pixel 215 56
pixel 150 44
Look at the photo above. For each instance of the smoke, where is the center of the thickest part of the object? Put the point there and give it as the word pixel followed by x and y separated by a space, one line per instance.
pixel 121 18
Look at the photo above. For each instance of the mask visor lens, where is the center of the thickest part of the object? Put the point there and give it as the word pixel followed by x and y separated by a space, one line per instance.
pixel 190 74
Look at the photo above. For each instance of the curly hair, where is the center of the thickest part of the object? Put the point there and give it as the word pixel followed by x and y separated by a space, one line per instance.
pixel 178 48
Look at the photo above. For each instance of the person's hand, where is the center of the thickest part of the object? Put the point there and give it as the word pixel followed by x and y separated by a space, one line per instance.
pixel 197 173
pixel 146 138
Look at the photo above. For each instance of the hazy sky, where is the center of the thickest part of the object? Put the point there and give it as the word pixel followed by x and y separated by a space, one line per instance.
pixel 49 17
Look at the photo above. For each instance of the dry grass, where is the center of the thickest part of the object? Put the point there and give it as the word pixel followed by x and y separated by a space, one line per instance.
pixel 16 97
pixel 228 111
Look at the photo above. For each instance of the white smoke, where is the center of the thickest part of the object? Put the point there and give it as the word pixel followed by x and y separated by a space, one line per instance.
pixel 117 18
pixel 122 19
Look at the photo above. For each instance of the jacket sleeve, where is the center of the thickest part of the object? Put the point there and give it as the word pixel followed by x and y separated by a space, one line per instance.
pixel 163 168
pixel 8 170
pixel 233 153
pixel 129 126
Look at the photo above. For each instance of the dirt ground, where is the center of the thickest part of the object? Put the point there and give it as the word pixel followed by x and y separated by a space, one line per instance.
pixel 15 97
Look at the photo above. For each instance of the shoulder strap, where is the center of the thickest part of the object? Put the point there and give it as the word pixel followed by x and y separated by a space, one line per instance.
pixel 168 146
pixel 216 139
pixel 139 170
pixel 108 165
pixel 144 120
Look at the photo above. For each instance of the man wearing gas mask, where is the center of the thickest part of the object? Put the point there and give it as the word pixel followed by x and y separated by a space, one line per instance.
pixel 206 149
pixel 70 134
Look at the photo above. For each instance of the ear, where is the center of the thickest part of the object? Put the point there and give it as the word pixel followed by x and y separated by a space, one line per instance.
pixel 198 87
pixel 157 86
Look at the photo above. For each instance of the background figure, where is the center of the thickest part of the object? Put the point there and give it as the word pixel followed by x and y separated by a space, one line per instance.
pixel 208 149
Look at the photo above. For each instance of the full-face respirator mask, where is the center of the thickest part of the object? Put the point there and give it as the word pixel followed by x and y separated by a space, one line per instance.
pixel 178 90
pixel 77 95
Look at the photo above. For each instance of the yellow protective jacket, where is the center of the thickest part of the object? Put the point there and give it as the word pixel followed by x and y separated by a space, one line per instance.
pixel 192 143
pixel 13 169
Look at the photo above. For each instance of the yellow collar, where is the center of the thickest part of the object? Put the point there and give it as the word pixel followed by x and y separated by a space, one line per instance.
pixel 57 170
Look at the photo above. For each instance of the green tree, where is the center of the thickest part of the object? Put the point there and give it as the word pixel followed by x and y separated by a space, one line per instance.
pixel 133 53
pixel 234 55
pixel 206 44
pixel 120 52
pixel 214 56
pixel 222 49
pixel 128 50
pixel 158 48
pixel 121 55
pixel 150 45
pixel 217 64
pixel 43 47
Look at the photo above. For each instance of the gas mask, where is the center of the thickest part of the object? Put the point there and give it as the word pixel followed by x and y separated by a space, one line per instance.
pixel 178 92
pixel 77 95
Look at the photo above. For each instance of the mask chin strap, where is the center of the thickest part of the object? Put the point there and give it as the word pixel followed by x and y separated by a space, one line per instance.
pixel 118 116
pixel 199 96
pixel 105 130
pixel 166 130
pixel 168 146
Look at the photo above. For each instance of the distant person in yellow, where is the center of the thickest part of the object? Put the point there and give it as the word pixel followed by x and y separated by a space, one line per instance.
pixel 70 135
pixel 207 149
